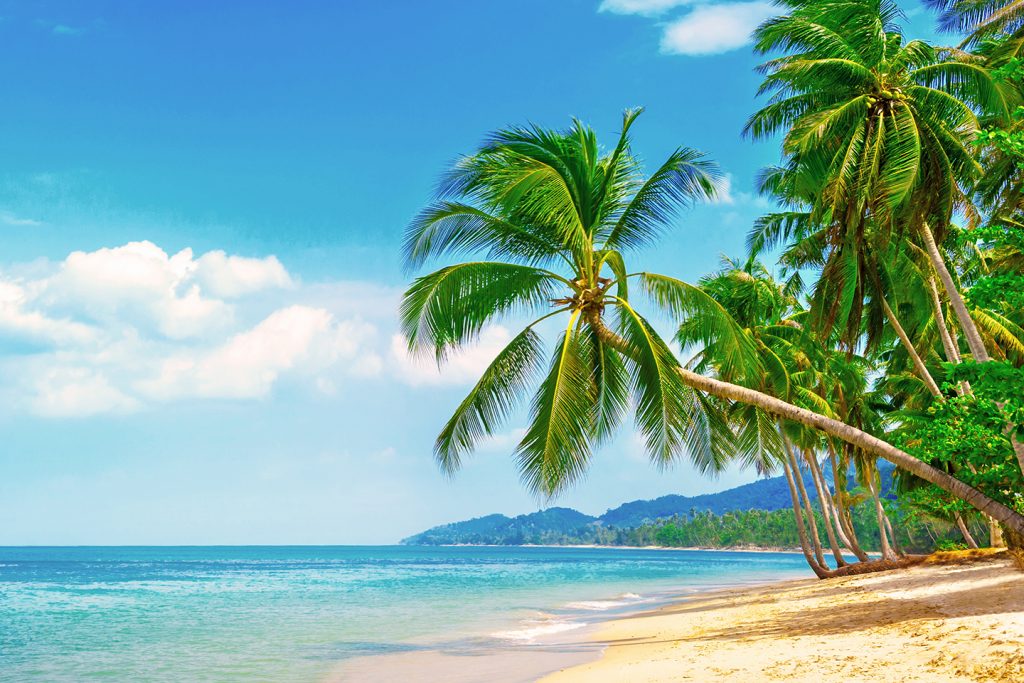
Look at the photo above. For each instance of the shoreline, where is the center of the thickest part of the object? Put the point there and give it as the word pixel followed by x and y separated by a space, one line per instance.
pixel 568 634
pixel 942 621
pixel 730 549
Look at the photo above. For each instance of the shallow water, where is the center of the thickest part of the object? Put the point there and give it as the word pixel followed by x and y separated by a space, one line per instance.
pixel 313 613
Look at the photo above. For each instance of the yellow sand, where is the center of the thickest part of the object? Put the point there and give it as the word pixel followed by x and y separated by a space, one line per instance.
pixel 930 623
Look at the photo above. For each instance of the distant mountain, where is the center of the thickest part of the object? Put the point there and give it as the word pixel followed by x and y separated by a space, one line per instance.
pixel 764 494
pixel 557 522
pixel 503 530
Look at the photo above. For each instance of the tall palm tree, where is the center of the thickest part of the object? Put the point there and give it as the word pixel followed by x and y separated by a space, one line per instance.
pixel 877 129
pixel 556 216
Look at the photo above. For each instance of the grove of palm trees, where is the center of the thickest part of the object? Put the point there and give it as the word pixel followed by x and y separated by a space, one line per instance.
pixel 877 314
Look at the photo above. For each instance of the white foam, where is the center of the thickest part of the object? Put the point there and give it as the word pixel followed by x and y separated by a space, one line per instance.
pixel 595 605
pixel 603 605
pixel 536 628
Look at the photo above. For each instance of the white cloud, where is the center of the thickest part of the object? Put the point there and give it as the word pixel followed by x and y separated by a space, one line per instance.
pixel 644 7
pixel 298 338
pixel 137 283
pixel 180 296
pixel 17 321
pixel 712 29
pixel 725 195
pixel 124 328
pixel 461 367
pixel 233 276
pixel 77 392
pixel 503 442
pixel 8 218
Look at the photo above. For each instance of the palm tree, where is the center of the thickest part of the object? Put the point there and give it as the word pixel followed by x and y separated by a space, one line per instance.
pixel 763 309
pixel 537 200
pixel 877 130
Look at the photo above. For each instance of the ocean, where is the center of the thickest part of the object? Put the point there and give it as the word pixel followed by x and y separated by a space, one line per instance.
pixel 334 613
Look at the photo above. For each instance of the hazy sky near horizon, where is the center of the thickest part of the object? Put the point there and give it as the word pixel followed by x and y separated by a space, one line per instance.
pixel 201 206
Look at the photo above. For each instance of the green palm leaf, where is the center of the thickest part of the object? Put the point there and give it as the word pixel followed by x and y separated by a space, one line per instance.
pixel 664 405
pixel 686 177
pixel 556 449
pixel 704 322
pixel 492 399
pixel 449 307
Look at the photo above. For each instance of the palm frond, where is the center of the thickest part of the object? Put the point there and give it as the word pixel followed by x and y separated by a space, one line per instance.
pixel 686 177
pixel 450 306
pixel 491 401
pixel 556 449
pixel 704 321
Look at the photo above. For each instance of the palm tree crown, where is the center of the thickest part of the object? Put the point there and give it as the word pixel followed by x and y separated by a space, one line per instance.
pixel 876 127
pixel 555 216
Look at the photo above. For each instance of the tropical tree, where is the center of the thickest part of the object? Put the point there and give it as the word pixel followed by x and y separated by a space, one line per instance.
pixel 556 216
pixel 878 135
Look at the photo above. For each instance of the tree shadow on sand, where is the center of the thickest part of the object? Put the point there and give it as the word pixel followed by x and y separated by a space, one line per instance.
pixel 853 615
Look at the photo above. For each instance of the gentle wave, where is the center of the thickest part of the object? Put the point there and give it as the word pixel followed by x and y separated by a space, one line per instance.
pixel 536 628
pixel 604 605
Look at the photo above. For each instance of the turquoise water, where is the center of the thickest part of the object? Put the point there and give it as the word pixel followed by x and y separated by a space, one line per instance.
pixel 296 613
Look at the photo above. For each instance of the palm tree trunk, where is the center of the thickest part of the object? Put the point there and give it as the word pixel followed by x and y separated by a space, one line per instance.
pixel 965 532
pixel 896 546
pixel 842 511
pixel 811 523
pixel 995 534
pixel 824 500
pixel 974 341
pixel 844 540
pixel 922 369
pixel 801 530
pixel 840 430
pixel 952 352
pixel 887 553
pixel 857 438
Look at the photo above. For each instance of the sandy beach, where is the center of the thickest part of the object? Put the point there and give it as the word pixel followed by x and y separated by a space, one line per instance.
pixel 933 623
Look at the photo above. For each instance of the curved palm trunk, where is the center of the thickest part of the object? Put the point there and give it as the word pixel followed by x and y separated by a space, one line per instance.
pixel 896 546
pixel 965 532
pixel 857 438
pixel 842 512
pixel 948 343
pixel 974 341
pixel 887 552
pixel 819 554
pixel 840 430
pixel 952 352
pixel 826 512
pixel 801 530
pixel 922 369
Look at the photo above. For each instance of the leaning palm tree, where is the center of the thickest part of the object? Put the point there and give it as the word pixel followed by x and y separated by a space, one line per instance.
pixel 555 218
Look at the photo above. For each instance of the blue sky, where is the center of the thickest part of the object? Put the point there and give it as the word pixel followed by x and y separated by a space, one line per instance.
pixel 200 209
